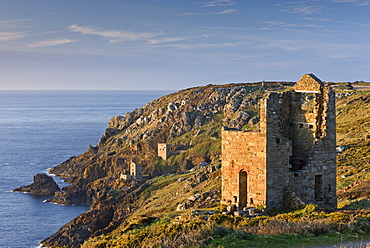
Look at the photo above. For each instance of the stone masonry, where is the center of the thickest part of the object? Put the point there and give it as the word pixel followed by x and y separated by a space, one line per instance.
pixel 292 154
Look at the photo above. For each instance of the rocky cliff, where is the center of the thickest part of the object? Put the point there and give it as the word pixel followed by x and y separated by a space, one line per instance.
pixel 189 121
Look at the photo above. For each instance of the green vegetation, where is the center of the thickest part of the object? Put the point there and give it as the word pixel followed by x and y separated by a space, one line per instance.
pixel 156 223
pixel 353 127
pixel 305 226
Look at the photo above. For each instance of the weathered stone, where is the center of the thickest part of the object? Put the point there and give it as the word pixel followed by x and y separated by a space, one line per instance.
pixel 340 149
pixel 193 198
pixel 231 208
pixel 42 185
pixel 294 149
pixel 241 213
pixel 292 201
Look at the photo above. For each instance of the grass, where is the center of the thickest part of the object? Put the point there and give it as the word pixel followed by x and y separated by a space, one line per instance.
pixel 283 241
pixel 308 226
pixel 354 204
pixel 353 125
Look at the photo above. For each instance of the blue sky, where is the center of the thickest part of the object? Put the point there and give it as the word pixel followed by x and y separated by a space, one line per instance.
pixel 175 44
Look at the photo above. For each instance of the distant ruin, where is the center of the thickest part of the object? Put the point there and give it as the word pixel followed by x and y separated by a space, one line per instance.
pixel 135 172
pixel 293 154
pixel 163 150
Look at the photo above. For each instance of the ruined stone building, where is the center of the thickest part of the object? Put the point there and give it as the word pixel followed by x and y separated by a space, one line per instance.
pixel 163 150
pixel 293 153
pixel 135 172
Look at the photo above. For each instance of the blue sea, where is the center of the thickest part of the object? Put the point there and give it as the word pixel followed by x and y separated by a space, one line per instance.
pixel 41 129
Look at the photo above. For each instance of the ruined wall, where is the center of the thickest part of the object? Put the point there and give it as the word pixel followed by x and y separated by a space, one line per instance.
pixel 136 171
pixel 315 181
pixel 274 114
pixel 243 155
pixel 313 134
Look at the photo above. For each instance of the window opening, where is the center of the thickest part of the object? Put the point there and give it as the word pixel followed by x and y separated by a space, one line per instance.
pixel 318 187
pixel 242 189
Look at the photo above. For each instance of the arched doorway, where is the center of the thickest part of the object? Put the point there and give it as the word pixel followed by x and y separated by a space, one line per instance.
pixel 242 189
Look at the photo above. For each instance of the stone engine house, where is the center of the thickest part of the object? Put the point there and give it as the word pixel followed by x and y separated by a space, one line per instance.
pixel 292 154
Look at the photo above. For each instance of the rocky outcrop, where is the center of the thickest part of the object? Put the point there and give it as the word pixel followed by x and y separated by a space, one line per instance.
pixel 82 227
pixel 42 185
pixel 108 210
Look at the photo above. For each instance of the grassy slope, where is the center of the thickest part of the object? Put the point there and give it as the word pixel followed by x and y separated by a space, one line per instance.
pixel 155 222
pixel 353 127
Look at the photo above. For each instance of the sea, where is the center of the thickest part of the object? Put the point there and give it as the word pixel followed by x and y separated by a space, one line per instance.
pixel 39 130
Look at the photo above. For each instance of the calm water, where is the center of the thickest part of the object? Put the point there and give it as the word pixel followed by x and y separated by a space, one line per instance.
pixel 38 130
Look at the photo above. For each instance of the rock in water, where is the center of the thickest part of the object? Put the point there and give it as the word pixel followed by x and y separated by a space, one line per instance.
pixel 42 185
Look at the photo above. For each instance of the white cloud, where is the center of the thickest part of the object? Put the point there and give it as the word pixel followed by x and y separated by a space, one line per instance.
pixel 202 45
pixel 51 43
pixel 223 12
pixel 113 36
pixel 52 32
pixel 187 14
pixel 226 11
pixel 342 22
pixel 287 45
pixel 13 24
pixel 302 9
pixel 338 56
pixel 225 28
pixel 316 19
pixel 10 30
pixel 161 40
pixel 218 3
pixel 165 40
pixel 120 36
pixel 9 36
pixel 289 26
pixel 356 2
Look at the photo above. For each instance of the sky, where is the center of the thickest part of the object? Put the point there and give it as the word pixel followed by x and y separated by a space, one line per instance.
pixel 177 44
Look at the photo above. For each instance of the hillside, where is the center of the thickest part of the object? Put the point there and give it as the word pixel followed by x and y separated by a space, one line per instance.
pixel 190 121
pixel 353 136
